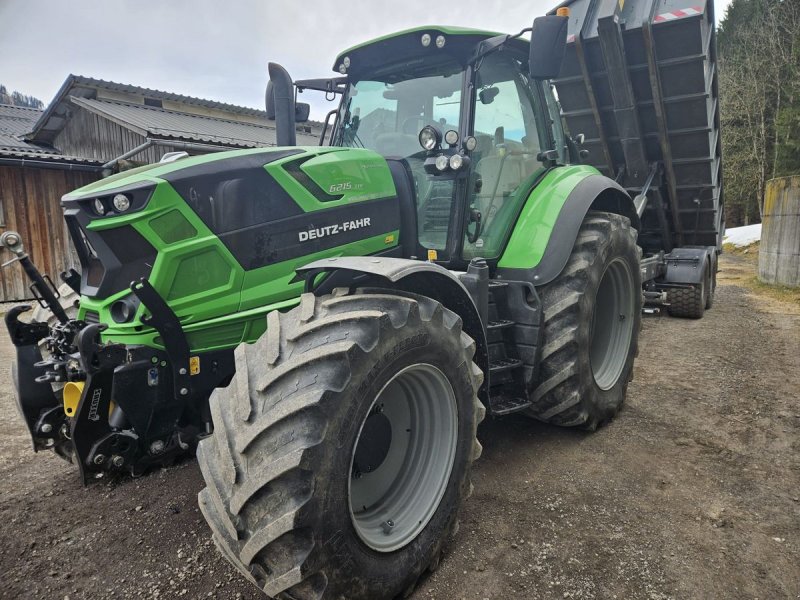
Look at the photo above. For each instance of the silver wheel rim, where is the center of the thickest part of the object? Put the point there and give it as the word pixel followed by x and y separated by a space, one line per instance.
pixel 392 504
pixel 612 324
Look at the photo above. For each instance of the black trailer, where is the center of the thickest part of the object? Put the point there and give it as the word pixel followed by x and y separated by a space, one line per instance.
pixel 639 86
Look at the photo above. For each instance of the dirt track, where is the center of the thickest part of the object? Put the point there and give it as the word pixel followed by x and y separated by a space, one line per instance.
pixel 692 492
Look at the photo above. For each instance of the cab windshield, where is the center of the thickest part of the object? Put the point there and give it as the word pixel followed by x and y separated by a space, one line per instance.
pixel 386 114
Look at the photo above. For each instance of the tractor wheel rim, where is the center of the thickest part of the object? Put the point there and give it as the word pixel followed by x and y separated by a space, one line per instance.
pixel 393 502
pixel 612 324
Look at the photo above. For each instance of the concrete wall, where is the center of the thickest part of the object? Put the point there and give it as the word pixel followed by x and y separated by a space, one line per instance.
pixel 779 254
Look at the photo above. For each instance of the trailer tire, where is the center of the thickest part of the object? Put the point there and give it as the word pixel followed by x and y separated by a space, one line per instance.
pixel 283 464
pixel 691 302
pixel 584 371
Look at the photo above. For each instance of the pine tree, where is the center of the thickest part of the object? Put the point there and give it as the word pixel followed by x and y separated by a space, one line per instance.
pixel 18 99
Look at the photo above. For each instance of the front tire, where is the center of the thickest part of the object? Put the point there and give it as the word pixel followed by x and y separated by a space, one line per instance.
pixel 592 316
pixel 303 426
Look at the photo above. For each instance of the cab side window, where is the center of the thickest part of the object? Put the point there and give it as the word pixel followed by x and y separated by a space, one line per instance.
pixel 505 159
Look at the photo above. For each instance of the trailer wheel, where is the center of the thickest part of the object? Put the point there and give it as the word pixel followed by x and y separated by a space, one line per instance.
pixel 592 316
pixel 342 447
pixel 692 302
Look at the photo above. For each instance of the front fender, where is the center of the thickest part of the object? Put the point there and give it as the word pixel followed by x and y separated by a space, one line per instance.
pixel 545 232
pixel 414 276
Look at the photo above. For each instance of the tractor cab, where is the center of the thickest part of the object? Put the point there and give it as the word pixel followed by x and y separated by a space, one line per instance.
pixel 457 112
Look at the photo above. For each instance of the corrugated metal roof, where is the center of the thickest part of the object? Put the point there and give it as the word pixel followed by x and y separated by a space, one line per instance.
pixel 14 122
pixel 80 80
pixel 41 154
pixel 17 120
pixel 157 122
pixel 55 115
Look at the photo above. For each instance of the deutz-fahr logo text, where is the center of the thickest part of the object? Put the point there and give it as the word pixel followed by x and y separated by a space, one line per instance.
pixel 337 228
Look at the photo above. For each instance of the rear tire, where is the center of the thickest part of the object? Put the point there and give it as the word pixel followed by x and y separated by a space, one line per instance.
pixel 281 464
pixel 592 316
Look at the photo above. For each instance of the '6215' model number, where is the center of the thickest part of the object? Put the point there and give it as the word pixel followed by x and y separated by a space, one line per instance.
pixel 345 186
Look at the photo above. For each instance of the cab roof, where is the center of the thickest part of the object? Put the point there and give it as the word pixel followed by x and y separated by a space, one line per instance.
pixel 405 47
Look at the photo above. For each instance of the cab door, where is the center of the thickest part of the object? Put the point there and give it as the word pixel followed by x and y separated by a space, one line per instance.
pixel 511 123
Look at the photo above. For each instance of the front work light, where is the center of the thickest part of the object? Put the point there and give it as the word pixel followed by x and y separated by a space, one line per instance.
pixel 429 138
pixel 121 202
pixel 451 137
pixel 441 162
pixel 99 207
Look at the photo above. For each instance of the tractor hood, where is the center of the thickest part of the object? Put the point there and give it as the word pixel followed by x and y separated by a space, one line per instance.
pixel 216 224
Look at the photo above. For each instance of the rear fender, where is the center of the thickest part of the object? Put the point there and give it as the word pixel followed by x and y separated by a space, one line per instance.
pixel 545 233
pixel 688 265
pixel 414 276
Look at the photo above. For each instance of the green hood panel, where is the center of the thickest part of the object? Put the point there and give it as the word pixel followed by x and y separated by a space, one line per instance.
pixel 309 204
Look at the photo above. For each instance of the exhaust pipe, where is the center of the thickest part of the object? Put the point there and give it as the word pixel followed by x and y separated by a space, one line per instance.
pixel 280 104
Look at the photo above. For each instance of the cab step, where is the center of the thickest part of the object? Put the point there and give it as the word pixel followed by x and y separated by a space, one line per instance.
pixel 504 364
pixel 499 324
pixel 505 405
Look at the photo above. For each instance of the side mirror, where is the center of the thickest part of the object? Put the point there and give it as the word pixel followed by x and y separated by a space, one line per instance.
pixel 548 42
pixel 302 110
pixel 487 96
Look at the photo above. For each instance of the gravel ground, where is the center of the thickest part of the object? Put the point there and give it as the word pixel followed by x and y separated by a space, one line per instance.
pixel 692 492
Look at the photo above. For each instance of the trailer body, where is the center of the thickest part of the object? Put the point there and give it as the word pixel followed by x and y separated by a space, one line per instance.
pixel 639 81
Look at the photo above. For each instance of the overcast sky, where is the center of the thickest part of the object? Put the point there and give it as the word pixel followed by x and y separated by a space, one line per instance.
pixel 216 49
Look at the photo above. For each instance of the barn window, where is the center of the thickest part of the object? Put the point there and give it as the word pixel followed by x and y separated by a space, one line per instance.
pixel 153 102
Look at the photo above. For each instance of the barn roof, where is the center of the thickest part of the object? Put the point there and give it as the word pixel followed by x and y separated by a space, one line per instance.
pixel 15 121
pixel 130 106
pixel 156 122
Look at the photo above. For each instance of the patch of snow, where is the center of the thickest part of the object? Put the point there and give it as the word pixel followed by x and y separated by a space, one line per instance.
pixel 742 236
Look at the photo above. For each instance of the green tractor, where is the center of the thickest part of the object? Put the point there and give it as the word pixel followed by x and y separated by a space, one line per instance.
pixel 328 325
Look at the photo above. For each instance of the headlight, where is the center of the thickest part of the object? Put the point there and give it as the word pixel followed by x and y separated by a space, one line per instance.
pixel 121 202
pixel 456 161
pixel 425 40
pixel 99 207
pixel 346 62
pixel 441 162
pixel 470 143
pixel 440 41
pixel 451 137
pixel 429 137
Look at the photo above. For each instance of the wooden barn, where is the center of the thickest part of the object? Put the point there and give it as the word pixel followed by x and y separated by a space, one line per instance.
pixel 91 129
